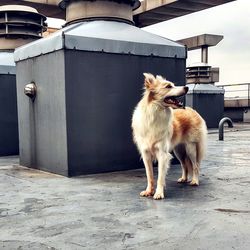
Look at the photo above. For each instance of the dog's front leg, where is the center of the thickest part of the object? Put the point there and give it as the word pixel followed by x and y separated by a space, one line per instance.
pixel 163 165
pixel 148 163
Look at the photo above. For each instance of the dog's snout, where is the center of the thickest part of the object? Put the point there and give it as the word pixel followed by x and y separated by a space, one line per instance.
pixel 186 89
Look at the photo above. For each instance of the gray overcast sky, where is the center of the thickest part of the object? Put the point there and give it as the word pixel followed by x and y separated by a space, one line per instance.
pixel 232 54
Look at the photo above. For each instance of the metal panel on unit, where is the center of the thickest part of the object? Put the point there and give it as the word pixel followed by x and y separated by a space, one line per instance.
pixel 19 25
pixel 89 77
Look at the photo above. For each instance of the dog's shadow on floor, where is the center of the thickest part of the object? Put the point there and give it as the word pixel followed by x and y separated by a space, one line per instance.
pixel 136 180
pixel 175 190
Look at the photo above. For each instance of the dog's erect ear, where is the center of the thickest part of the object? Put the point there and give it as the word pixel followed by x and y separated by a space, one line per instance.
pixel 149 80
pixel 160 78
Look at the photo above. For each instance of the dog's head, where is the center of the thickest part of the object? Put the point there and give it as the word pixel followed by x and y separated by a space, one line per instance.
pixel 163 92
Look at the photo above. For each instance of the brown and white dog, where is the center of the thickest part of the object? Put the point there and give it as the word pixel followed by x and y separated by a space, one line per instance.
pixel 160 125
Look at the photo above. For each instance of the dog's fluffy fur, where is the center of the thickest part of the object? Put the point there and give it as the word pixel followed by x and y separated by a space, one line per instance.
pixel 160 126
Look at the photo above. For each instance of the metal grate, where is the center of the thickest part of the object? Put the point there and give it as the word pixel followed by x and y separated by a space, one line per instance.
pixel 199 74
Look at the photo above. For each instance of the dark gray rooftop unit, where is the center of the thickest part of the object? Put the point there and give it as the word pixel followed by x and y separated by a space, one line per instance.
pixel 86 80
pixel 18 25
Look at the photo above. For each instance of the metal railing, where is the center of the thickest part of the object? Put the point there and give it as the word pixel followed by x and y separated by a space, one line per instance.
pixel 237 91
pixel 221 127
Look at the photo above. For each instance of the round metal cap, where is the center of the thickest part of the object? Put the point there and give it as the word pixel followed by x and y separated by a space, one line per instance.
pixel 21 8
pixel 198 64
pixel 17 8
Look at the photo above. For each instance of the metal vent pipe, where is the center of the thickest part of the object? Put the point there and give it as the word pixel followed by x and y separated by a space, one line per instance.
pixel 82 10
pixel 204 54
pixel 200 81
pixel 19 25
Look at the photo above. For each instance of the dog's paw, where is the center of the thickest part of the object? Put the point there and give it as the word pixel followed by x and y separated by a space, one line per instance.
pixel 194 183
pixel 159 195
pixel 147 193
pixel 181 180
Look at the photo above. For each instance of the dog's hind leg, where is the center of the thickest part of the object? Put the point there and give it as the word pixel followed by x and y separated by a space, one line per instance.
pixel 163 166
pixel 148 163
pixel 191 150
pixel 180 153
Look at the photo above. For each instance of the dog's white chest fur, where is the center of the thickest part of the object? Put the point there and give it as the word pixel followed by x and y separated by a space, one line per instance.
pixel 149 124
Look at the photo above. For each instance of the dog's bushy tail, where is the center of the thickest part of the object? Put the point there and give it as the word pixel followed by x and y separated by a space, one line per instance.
pixel 202 144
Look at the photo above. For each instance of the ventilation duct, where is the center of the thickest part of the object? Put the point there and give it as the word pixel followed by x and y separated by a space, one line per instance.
pixel 200 81
pixel 88 78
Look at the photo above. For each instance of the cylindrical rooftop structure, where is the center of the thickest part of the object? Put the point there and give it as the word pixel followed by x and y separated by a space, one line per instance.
pixel 119 10
pixel 19 25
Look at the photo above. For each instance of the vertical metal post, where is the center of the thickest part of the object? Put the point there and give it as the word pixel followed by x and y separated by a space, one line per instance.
pixel 248 96
pixel 204 54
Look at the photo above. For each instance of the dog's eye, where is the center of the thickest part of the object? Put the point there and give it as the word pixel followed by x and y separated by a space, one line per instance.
pixel 168 87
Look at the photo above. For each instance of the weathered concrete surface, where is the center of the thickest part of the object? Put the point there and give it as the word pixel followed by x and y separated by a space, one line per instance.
pixel 45 211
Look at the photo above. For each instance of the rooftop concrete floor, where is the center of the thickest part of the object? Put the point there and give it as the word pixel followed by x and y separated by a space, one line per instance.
pixel 45 211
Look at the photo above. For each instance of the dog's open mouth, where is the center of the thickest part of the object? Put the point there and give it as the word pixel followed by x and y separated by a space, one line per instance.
pixel 172 100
